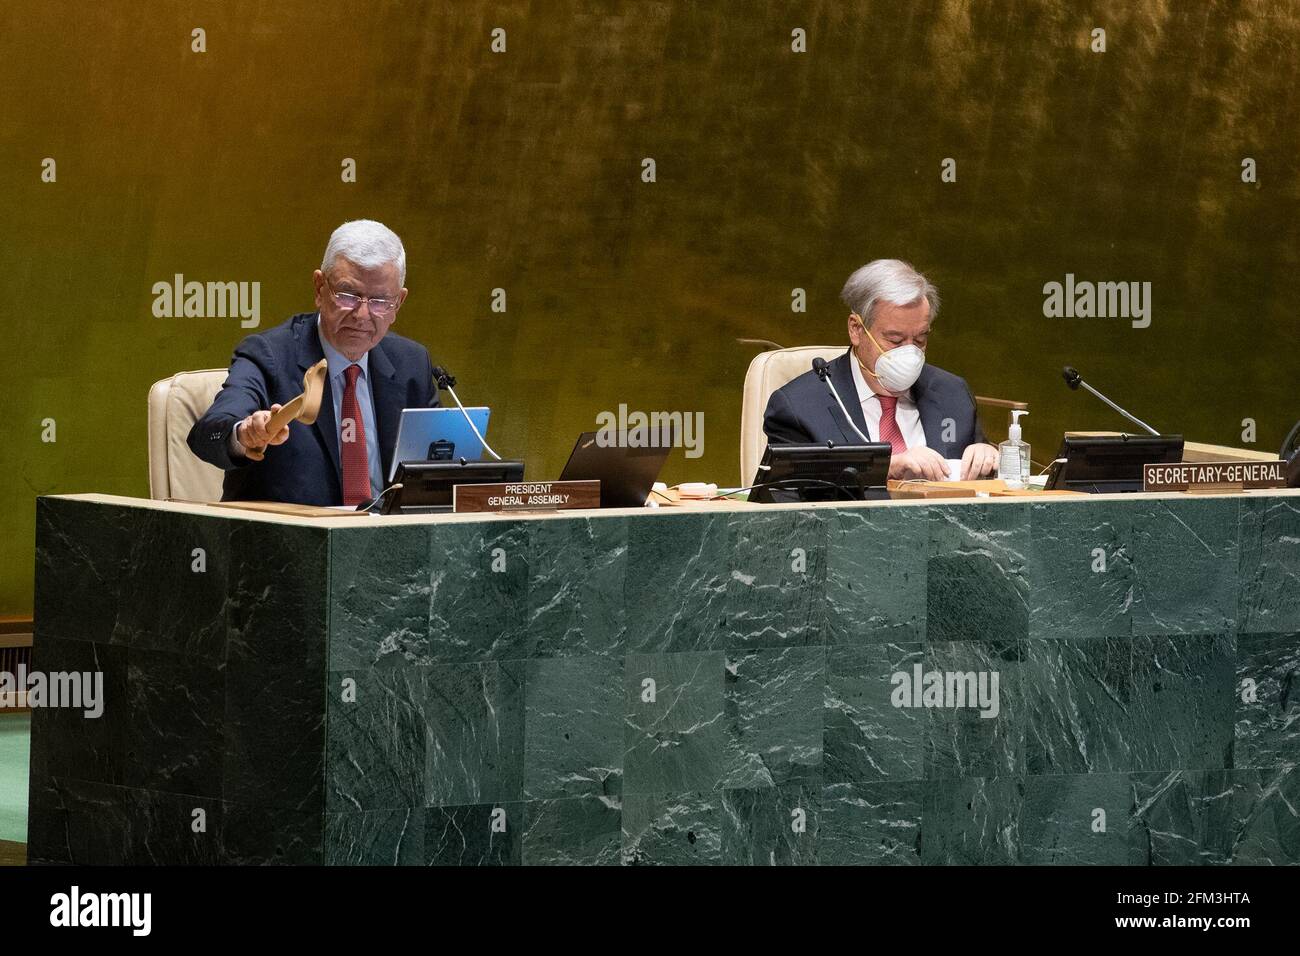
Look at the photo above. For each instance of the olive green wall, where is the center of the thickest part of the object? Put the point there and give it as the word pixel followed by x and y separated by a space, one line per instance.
pixel 522 170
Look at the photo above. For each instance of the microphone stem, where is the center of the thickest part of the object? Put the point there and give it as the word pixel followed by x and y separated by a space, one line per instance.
pixel 1134 419
pixel 847 416
pixel 472 425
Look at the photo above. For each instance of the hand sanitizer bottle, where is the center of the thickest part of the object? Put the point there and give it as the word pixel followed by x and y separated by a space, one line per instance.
pixel 1013 455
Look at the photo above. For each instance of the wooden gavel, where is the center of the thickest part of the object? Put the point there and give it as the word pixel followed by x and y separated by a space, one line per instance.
pixel 302 408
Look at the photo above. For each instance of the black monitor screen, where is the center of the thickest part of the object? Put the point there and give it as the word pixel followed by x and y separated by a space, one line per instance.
pixel 1101 465
pixel 426 485
pixel 822 473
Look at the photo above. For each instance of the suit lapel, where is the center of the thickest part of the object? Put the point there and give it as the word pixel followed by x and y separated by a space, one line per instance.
pixel 930 410
pixel 326 428
pixel 841 376
pixel 389 400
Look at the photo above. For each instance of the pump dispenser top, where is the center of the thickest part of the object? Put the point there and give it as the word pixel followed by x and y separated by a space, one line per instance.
pixel 1014 431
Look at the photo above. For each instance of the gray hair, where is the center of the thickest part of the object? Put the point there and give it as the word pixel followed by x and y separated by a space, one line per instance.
pixel 887 280
pixel 365 243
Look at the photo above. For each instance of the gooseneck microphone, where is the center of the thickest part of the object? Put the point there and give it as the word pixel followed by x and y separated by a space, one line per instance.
pixel 823 372
pixel 447 382
pixel 1074 380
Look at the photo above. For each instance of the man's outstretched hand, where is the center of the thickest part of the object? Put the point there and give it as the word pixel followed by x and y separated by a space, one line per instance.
pixel 253 435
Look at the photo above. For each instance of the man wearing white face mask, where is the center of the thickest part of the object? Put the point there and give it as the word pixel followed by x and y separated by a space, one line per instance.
pixel 892 395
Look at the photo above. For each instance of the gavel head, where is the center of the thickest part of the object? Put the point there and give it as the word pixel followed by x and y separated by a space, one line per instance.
pixel 313 390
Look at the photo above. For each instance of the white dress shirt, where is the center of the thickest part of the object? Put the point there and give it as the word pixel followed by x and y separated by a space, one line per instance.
pixel 906 413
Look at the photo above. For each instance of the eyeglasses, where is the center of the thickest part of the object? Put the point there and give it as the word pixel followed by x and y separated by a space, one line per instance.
pixel 380 307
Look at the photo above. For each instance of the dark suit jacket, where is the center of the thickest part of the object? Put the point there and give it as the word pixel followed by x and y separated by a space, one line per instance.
pixel 805 411
pixel 268 367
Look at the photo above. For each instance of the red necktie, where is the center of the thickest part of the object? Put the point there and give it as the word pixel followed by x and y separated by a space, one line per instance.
pixel 352 442
pixel 889 430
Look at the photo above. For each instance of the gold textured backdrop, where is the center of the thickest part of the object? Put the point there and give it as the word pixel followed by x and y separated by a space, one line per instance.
pixel 521 170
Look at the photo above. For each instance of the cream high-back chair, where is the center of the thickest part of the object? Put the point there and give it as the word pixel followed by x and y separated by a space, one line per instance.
pixel 175 404
pixel 768 372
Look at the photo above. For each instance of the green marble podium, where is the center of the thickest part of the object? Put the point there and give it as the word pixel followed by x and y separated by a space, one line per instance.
pixel 673 686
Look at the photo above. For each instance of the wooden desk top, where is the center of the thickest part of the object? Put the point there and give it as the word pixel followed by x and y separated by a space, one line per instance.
pixel 314 518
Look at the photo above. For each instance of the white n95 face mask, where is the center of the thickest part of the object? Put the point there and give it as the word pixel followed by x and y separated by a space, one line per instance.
pixel 898 369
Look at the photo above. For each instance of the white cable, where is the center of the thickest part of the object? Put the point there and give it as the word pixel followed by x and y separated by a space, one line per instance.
pixel 472 425
pixel 849 417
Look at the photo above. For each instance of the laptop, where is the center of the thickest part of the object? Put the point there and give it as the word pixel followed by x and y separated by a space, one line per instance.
pixel 438 434
pixel 626 475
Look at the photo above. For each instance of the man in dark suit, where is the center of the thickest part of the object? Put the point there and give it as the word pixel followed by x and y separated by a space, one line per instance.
pixel 891 394
pixel 344 457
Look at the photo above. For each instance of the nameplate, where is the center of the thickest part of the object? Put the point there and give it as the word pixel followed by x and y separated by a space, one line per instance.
pixel 1214 476
pixel 525 496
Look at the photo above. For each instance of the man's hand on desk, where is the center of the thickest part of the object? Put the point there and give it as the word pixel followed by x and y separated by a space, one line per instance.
pixel 979 461
pixel 919 462
pixel 250 436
